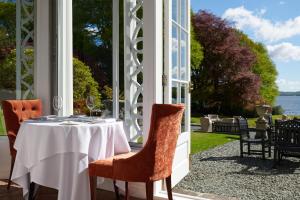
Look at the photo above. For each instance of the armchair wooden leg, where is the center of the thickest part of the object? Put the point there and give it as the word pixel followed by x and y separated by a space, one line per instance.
pixel 93 187
pixel 149 190
pixel 169 187
pixel 126 191
pixel 31 191
pixel 116 190
pixel 10 173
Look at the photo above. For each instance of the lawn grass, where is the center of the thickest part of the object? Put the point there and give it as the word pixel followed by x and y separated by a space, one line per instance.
pixel 195 120
pixel 201 141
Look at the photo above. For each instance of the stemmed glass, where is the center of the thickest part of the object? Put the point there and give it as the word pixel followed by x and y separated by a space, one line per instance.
pixel 90 103
pixel 57 103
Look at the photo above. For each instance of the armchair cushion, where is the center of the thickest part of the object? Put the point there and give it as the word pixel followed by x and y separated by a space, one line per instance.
pixel 104 168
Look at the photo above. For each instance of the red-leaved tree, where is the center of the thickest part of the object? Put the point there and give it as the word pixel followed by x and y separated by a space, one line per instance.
pixel 224 79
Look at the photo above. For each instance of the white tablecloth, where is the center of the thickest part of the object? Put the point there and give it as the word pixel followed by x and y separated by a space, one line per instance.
pixel 57 156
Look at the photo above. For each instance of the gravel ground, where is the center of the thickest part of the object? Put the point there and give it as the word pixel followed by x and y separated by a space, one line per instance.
pixel 220 171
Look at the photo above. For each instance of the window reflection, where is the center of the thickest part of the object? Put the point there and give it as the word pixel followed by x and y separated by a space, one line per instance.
pixel 175 10
pixel 183 54
pixel 183 14
pixel 175 52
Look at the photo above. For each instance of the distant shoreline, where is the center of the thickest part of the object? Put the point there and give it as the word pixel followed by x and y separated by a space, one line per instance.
pixel 289 93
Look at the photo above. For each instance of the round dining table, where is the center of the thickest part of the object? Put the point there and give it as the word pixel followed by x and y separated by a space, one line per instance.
pixel 56 153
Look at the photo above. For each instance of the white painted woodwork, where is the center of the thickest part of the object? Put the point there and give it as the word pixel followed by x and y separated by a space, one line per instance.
pixel 42 64
pixel 116 58
pixel 65 55
pixel 153 59
pixel 133 67
pixel 181 159
pixel 153 64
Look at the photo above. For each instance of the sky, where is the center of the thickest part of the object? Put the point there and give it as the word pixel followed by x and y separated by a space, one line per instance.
pixel 275 23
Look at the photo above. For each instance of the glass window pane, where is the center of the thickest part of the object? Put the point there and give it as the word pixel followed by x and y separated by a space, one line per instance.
pixel 174 92
pixel 183 13
pixel 183 52
pixel 7 57
pixel 175 10
pixel 92 50
pixel 11 76
pixel 183 90
pixel 174 52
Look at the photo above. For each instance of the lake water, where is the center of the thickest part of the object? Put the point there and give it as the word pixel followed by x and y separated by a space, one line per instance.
pixel 290 104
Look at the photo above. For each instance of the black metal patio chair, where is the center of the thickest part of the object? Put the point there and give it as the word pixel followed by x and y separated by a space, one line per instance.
pixel 286 139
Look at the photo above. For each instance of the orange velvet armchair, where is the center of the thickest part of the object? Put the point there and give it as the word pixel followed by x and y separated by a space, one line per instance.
pixel 153 162
pixel 15 112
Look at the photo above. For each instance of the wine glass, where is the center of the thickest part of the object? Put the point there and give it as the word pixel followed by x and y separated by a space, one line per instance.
pixel 90 103
pixel 57 103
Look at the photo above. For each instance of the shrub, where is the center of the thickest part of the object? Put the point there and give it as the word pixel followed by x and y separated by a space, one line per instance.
pixel 107 93
pixel 277 110
pixel 8 70
pixel 83 85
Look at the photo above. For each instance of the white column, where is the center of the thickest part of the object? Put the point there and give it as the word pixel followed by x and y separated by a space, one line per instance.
pixel 153 59
pixel 18 50
pixel 65 55
pixel 116 58
pixel 42 67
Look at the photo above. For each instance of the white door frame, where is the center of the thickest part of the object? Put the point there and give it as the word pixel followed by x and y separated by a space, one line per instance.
pixel 181 160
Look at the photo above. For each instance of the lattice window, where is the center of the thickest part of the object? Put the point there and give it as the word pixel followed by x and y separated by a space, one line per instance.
pixel 25 49
pixel 134 67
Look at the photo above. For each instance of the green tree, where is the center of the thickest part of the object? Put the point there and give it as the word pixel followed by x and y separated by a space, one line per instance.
pixel 224 81
pixel 196 59
pixel 264 68
pixel 92 37
pixel 8 19
pixel 83 85
pixel 7 28
pixel 8 70
pixel 196 51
